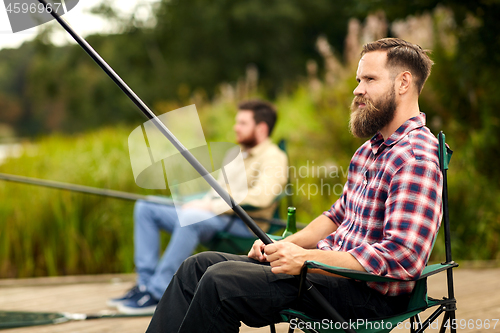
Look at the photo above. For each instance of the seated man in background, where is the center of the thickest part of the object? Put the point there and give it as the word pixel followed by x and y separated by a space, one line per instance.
pixel 384 223
pixel 266 168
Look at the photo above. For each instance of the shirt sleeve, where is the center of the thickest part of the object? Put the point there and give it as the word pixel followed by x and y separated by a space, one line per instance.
pixel 411 221
pixel 337 211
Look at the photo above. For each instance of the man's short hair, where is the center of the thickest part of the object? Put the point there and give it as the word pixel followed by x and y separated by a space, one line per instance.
pixel 404 55
pixel 262 112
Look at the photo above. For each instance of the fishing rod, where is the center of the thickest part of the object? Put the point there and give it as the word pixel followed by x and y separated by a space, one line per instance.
pixel 161 127
pixel 86 189
pixel 313 292
pixel 112 193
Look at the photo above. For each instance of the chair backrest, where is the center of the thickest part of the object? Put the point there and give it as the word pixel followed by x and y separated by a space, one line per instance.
pixel 282 144
pixel 444 159
pixel 419 300
pixel 419 297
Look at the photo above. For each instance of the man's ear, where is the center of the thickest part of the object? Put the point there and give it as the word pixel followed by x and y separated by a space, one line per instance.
pixel 262 129
pixel 404 82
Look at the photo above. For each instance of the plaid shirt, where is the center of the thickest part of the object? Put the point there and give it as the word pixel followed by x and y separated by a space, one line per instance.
pixel 389 213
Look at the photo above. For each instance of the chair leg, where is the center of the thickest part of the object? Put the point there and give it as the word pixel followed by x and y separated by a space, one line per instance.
pixel 273 328
pixel 290 329
pixel 444 324
pixel 449 321
pixel 453 328
pixel 419 321
pixel 416 324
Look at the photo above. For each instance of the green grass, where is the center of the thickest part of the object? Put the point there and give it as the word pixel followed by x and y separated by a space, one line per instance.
pixel 53 232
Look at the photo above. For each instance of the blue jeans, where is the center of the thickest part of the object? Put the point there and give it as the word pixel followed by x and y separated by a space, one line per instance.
pixel 149 219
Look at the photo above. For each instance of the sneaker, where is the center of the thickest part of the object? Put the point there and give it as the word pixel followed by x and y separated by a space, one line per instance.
pixel 143 304
pixel 131 294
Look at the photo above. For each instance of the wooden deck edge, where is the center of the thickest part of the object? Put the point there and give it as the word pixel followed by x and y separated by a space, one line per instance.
pixel 66 280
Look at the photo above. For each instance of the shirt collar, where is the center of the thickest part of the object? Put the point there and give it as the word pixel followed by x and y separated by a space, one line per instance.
pixel 259 148
pixel 377 142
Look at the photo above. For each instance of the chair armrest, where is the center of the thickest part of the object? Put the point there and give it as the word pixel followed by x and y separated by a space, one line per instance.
pixel 437 268
pixel 349 273
pixel 362 276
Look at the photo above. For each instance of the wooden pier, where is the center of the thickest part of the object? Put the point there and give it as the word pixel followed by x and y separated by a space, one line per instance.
pixel 477 292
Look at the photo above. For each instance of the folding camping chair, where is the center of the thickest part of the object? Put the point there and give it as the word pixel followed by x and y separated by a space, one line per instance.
pixel 419 300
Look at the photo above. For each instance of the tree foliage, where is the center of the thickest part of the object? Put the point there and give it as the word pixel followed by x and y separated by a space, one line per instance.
pixel 195 46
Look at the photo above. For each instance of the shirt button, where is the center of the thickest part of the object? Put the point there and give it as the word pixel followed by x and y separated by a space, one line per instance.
pixel 365 182
pixel 340 243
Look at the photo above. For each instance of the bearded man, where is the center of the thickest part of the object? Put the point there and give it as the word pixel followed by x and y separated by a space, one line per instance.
pixel 384 223
pixel 266 175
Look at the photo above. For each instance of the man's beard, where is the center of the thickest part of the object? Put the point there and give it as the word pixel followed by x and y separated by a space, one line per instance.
pixel 373 117
pixel 249 142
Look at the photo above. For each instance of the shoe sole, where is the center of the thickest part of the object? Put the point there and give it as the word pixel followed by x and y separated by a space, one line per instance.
pixel 150 310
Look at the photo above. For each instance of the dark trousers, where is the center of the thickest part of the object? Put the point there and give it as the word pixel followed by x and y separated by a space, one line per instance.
pixel 214 292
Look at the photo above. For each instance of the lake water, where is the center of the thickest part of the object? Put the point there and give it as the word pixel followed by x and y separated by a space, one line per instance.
pixel 10 150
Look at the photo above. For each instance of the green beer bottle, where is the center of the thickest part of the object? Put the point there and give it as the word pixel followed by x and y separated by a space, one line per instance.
pixel 291 226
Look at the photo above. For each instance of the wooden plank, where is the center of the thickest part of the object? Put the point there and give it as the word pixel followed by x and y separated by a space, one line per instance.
pixel 476 292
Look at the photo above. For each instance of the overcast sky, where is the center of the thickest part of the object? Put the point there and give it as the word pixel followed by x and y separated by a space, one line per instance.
pixel 79 18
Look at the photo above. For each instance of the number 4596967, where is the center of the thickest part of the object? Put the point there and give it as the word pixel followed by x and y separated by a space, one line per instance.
pixel 24 7
pixel 472 324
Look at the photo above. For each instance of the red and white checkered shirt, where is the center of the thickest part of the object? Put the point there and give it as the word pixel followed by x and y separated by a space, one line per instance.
pixel 390 211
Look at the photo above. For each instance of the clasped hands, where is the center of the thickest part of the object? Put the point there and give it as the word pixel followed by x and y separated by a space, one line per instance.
pixel 284 257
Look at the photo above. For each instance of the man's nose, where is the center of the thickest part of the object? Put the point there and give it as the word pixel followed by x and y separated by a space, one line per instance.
pixel 359 90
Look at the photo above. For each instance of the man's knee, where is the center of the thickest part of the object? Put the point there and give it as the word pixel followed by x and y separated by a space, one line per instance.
pixel 199 263
pixel 141 209
pixel 234 279
pixel 162 215
pixel 216 276
pixel 195 259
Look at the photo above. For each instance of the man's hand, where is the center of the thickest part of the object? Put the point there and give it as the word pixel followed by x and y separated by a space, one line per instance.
pixel 285 257
pixel 257 251
pixel 288 258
